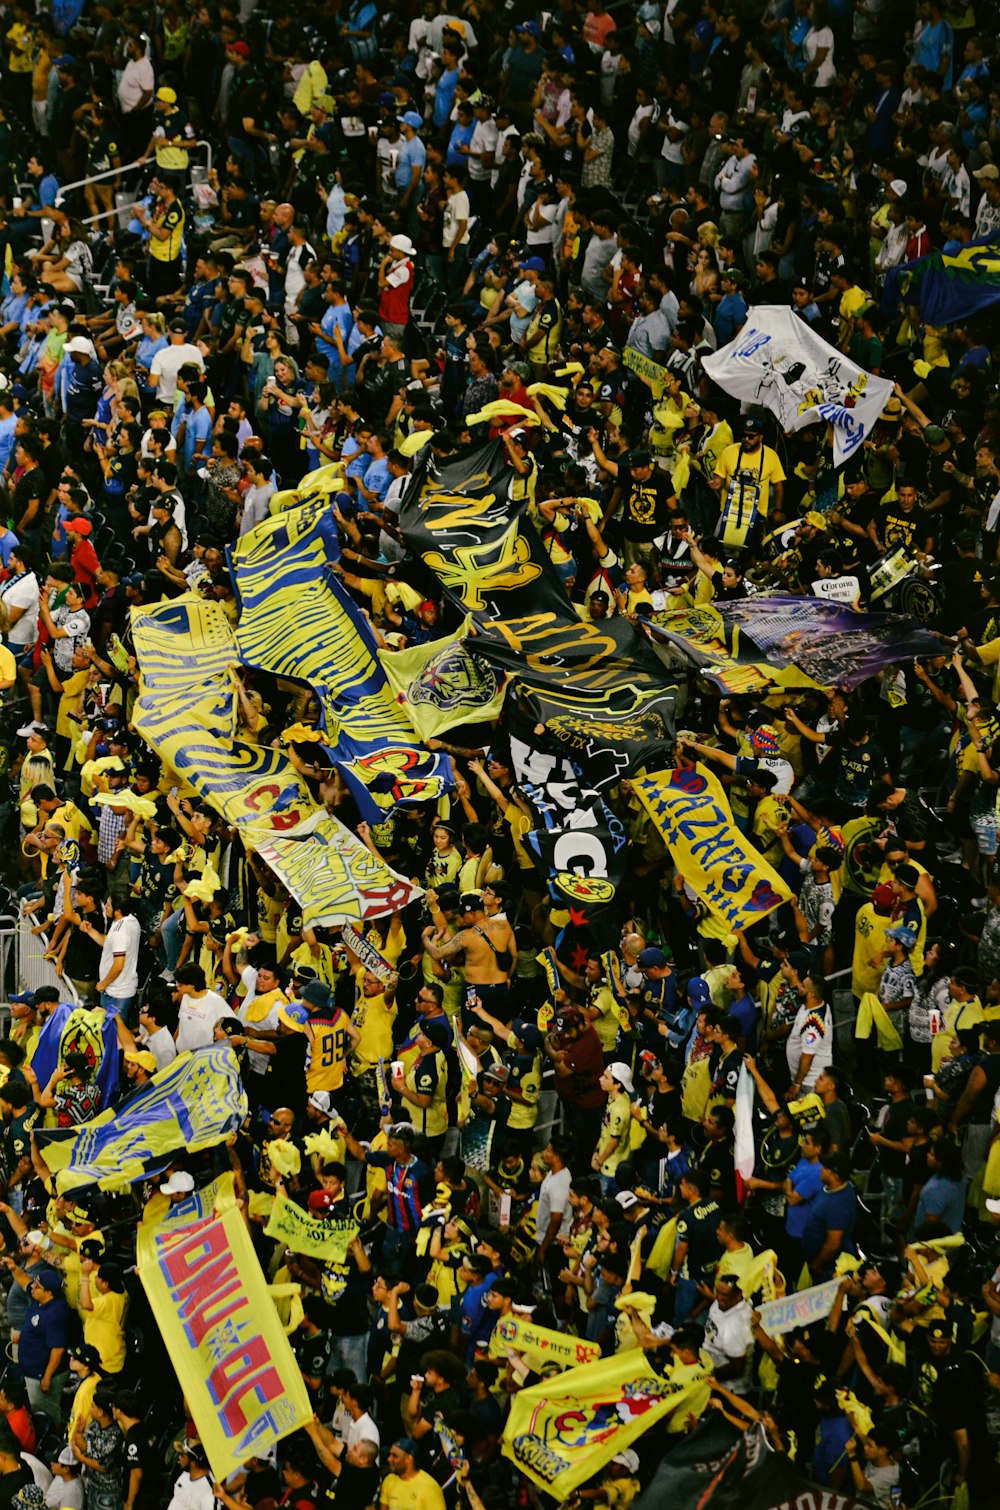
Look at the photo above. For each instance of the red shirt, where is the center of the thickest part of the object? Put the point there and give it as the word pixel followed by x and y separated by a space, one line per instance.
pixel 394 301
pixel 585 1057
pixel 19 1422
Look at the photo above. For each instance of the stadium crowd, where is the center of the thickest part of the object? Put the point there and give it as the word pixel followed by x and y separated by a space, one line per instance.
pixel 242 242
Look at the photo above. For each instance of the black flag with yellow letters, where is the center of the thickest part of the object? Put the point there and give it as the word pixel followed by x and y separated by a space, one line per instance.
pixel 457 516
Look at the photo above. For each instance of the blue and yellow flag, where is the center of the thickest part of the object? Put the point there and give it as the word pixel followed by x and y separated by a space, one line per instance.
pixel 727 874
pixel 947 288
pixel 444 683
pixel 195 1103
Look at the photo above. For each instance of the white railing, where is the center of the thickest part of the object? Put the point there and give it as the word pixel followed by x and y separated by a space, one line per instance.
pixel 31 967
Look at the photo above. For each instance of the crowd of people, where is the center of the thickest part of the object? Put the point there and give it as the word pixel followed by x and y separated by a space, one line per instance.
pixel 242 243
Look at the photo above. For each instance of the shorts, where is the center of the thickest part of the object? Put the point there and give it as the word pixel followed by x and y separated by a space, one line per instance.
pixel 983 823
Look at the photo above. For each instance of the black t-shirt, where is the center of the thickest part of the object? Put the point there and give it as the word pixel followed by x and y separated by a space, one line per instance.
pixel 354 1489
pixel 312 1354
pixel 261 1484
pixel 137 1452
pixel 647 508
pixel 894 1128
pixel 10 1483
pixel 896 527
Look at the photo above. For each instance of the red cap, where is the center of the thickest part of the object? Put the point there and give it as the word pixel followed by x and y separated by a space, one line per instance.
pixel 241 49
pixel 78 526
pixel 883 898
pixel 321 1200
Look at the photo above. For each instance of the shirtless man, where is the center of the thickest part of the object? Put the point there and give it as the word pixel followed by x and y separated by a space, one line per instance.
pixel 490 952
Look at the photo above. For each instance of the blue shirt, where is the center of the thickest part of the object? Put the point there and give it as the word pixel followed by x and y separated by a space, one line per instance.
pixel 377 478
pixel 944 1199
pixel 412 154
pixel 461 136
pixel 336 314
pixel 934 43
pixel 83 387
pixel 444 97
pixel 45 1327
pixel 7 427
pixel 806 1182
pixel 48 188
pixel 197 426
pixel 730 314
pixel 475 1317
pixel 7 543
pixel 831 1211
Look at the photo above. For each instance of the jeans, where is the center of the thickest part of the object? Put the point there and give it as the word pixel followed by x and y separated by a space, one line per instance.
pixel 170 940
pixel 398 1249
pixel 115 1005
pixel 51 1403
pixel 101 1499
pixel 685 1300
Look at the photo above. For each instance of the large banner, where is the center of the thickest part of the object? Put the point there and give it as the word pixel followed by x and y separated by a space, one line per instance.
pixel 727 874
pixel 600 690
pixel 458 518
pixel 444 683
pixel 298 621
pixel 947 288
pixel 234 1363
pixel 698 635
pixel 831 643
pixel 564 1430
pixel 185 713
pixel 541 1347
pixel 322 1238
pixel 195 1103
pixel 779 361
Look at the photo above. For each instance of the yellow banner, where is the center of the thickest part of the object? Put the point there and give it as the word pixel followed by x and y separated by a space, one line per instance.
pixel 195 1103
pixel 233 1361
pixel 320 1237
pixel 442 683
pixel 690 810
pixel 540 1347
pixel 217 1196
pixel 563 1430
pixel 645 367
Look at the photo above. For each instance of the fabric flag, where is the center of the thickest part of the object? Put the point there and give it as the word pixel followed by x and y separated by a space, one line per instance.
pixel 322 1238
pixel 564 1430
pixel 728 875
pixel 234 1363
pixel 541 1347
pixel 212 1199
pixel 75 1030
pixel 367 953
pixel 872 1017
pixel 947 288
pixel 601 690
pixel 335 877
pixel 779 361
pixel 195 1103
pixel 744 1153
pixel 298 621
pixel 444 683
pixel 717 1467
pixel 800 1309
pixel 828 641
pixel 458 517
pixel 697 637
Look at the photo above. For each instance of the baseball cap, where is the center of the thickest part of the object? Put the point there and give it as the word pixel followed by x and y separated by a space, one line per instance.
pixel 527 1033
pixel 988 170
pixel 531 265
pixel 317 994
pixel 838 1163
pixel 626 1199
pixel 78 526
pixel 65 1458
pixel 532 27
pixel 87 1354
pixel 177 328
pixel 934 435
pixel 899 187
pixel 179 1183
pixel 620 1071
pixel 166 95
pixel 698 993
pixel 241 49
pixel 411 118
pixel 49 1279
pixel 993 1206
pixel 293 1016
pixel 628 1459
pixel 77 344
pixel 883 897
pixel 903 935
pixel 320 1101
pixel 321 1200
pixel 407 1445
pixel 143 1058
pixel 751 425
pixel 402 244
pixel 651 959
pixel 941 1328
pixel 66 59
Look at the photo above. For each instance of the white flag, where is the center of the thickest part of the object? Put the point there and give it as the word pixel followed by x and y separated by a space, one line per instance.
pixel 744 1154
pixel 777 360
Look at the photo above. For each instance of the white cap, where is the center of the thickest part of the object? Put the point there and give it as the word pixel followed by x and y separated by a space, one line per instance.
pixel 66 1458
pixel 993 1207
pixel 899 187
pixel 628 1459
pixel 179 1183
pixel 78 343
pixel 321 1101
pixel 620 1071
pixel 626 1199
pixel 401 244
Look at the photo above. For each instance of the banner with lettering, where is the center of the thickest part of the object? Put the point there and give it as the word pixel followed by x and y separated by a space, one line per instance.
pixel 233 1361
pixel 800 1309
pixel 541 1347
pixel 726 873
pixel 698 638
pixel 324 1238
pixel 195 1103
pixel 643 366
pixel 779 361
pixel 565 1429
pixel 458 517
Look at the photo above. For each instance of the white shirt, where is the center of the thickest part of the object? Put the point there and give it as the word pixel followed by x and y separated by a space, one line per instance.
pixel 456 210
pixel 65 1494
pixel 269 1024
pixel 553 1196
pixel 363 1430
pixel 295 278
pixel 136 80
pixel 192 1494
pixel 122 938
pixel 197 1018
pixel 728 1337
pixel 813 42
pixel 812 1033
pixel 167 364
pixel 484 139
pixel 162 1047
pixel 255 505
pixel 22 592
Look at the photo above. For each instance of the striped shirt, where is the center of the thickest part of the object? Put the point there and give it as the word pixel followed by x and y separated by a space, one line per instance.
pixel 408 1188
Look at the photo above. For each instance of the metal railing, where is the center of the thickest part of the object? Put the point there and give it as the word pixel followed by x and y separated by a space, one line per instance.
pixel 31 968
